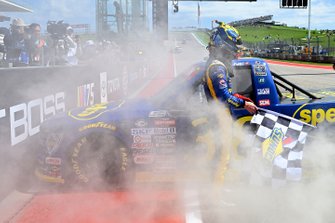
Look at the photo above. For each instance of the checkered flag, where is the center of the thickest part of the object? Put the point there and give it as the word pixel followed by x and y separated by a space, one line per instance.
pixel 280 140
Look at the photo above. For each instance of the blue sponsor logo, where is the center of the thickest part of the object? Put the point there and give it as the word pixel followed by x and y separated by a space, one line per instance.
pixel 260 70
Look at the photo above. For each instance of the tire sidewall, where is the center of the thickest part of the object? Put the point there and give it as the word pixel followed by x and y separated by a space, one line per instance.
pixel 111 163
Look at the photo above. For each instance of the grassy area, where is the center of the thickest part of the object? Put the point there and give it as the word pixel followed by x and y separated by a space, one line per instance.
pixel 270 33
pixel 204 37
pixel 291 35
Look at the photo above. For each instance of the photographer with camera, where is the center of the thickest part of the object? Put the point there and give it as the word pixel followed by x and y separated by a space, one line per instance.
pixel 16 44
pixel 63 45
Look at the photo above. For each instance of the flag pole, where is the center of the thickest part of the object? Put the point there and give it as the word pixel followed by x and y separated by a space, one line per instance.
pixel 309 27
pixel 198 15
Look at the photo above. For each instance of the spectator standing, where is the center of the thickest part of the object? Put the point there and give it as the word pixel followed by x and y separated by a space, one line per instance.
pixel 3 32
pixel 71 46
pixel 89 50
pixel 16 44
pixel 119 17
pixel 79 52
pixel 36 45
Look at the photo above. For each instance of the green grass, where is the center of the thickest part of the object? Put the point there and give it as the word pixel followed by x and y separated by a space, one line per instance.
pixel 204 37
pixel 292 35
pixel 263 35
pixel 251 34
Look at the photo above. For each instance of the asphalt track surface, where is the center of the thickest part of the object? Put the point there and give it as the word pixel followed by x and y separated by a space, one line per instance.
pixel 147 205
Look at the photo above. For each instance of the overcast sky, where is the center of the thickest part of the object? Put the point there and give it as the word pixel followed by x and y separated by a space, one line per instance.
pixel 83 11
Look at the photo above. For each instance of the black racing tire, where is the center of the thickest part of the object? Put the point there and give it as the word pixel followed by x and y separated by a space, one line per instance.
pixel 99 160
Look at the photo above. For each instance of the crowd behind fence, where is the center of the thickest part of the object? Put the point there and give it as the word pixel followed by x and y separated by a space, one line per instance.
pixel 285 51
pixel 25 45
pixel 283 47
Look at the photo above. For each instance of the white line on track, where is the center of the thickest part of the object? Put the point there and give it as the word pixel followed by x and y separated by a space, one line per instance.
pixel 198 40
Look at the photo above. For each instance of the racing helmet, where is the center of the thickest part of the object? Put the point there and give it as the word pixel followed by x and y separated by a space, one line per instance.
pixel 224 39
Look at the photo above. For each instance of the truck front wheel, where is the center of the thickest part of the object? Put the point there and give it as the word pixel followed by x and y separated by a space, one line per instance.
pixel 99 160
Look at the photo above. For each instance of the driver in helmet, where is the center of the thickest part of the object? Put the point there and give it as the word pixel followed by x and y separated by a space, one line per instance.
pixel 222 50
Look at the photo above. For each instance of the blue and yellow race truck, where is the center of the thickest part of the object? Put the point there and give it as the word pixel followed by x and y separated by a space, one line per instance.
pixel 172 134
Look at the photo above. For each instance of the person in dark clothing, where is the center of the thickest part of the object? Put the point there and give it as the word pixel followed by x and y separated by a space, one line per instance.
pixel 16 44
pixel 119 17
pixel 36 45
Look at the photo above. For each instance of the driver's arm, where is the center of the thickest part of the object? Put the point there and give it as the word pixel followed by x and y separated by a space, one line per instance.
pixel 218 85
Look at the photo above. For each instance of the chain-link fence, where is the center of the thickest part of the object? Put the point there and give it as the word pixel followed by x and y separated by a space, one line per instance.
pixel 286 47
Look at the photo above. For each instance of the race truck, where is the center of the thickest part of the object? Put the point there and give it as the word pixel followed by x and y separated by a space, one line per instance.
pixel 168 136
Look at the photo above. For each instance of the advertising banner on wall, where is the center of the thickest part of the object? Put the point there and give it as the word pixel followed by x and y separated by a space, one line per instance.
pixel 33 94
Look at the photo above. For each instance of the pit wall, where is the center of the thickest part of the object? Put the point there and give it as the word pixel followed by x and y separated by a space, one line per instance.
pixel 33 94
